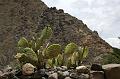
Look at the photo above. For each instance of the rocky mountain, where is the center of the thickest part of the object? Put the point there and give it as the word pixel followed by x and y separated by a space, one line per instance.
pixel 27 17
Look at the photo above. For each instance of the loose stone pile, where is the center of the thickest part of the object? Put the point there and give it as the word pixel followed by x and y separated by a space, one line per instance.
pixel 28 71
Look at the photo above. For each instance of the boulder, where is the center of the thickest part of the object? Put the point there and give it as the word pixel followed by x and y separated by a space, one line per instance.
pixel 53 76
pixel 96 75
pixel 112 71
pixel 82 69
pixel 96 67
pixel 74 75
pixel 67 78
pixel 64 68
pixel 28 69
pixel 66 73
pixel 60 75
pixel 84 76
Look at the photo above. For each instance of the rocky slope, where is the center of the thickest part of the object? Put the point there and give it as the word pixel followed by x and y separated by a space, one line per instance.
pixel 28 17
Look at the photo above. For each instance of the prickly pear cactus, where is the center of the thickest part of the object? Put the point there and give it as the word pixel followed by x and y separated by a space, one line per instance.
pixel 85 52
pixel 69 63
pixel 70 48
pixel 23 42
pixel 82 54
pixel 52 51
pixel 38 53
pixel 49 63
pixel 27 55
pixel 74 58
pixel 46 33
pixel 59 59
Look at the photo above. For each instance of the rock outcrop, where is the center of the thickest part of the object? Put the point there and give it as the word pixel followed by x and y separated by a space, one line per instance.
pixel 27 17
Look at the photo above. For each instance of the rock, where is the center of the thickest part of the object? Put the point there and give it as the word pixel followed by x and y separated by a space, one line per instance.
pixel 96 67
pixel 43 78
pixel 74 75
pixel 12 76
pixel 96 75
pixel 82 69
pixel 1 73
pixel 7 69
pixel 51 72
pixel 8 75
pixel 36 75
pixel 28 69
pixel 67 78
pixel 26 77
pixel 43 73
pixel 58 68
pixel 84 76
pixel 60 75
pixel 53 76
pixel 66 73
pixel 18 73
pixel 64 68
pixel 61 10
pixel 112 71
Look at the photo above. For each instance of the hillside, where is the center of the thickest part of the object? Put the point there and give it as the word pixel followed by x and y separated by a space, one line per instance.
pixel 27 17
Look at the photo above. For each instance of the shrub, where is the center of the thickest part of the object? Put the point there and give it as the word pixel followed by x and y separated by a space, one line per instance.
pixel 114 57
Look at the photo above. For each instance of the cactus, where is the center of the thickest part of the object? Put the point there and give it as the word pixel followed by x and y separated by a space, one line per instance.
pixel 68 63
pixel 75 54
pixel 82 54
pixel 49 63
pixel 74 58
pixel 40 54
pixel 35 51
pixel 52 51
pixel 46 34
pixel 70 48
pixel 59 60
pixel 23 42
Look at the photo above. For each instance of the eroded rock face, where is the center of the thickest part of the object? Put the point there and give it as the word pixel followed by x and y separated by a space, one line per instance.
pixel 27 17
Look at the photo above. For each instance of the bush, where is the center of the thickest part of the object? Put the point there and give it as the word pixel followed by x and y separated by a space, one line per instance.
pixel 114 57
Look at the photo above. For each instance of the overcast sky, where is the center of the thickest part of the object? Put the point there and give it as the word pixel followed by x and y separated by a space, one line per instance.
pixel 100 15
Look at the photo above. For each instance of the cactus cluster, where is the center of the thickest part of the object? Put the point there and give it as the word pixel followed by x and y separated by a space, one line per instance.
pixel 74 54
pixel 39 53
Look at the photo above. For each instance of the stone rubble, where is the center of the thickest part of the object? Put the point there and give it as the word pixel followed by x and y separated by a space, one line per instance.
pixel 110 71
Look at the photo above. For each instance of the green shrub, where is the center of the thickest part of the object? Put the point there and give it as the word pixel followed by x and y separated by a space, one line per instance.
pixel 114 57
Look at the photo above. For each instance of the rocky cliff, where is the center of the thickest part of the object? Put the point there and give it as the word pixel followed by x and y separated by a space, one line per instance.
pixel 28 17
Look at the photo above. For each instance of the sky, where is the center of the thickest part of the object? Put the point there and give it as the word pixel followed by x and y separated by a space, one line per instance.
pixel 100 15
